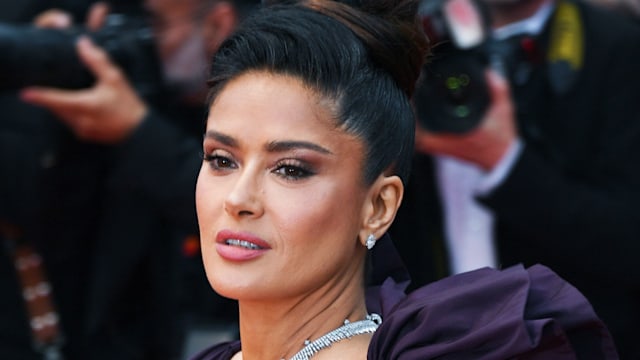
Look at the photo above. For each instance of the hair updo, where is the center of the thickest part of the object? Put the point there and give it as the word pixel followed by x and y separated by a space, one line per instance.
pixel 364 56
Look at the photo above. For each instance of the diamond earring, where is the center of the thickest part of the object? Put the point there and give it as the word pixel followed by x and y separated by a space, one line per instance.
pixel 371 241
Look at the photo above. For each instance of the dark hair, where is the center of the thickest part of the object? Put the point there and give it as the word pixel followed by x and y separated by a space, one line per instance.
pixel 365 58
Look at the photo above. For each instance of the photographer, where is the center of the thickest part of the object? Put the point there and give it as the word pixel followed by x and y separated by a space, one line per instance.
pixel 549 174
pixel 110 193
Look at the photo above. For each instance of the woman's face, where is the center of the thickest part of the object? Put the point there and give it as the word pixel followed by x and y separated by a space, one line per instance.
pixel 280 195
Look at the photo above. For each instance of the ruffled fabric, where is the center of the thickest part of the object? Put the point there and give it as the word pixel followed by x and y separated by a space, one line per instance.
pixel 515 313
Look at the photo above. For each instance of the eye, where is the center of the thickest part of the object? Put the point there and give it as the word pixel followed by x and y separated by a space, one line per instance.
pixel 292 170
pixel 219 161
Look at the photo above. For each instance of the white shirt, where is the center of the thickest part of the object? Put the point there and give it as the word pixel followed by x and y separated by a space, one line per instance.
pixel 468 225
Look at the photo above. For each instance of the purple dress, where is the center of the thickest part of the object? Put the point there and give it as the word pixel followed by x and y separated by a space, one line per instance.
pixel 515 313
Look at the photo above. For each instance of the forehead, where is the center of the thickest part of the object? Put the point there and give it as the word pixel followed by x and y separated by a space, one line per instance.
pixel 270 100
pixel 272 107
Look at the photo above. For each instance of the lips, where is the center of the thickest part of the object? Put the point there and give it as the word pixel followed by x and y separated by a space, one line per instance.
pixel 240 246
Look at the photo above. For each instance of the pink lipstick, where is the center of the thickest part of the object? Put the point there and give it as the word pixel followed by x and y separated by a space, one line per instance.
pixel 239 246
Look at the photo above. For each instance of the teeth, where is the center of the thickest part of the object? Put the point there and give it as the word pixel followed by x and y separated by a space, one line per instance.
pixel 242 243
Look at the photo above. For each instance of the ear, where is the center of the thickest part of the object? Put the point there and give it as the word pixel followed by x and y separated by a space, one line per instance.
pixel 220 22
pixel 381 206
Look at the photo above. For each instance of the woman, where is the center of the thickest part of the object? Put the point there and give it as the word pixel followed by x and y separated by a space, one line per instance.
pixel 307 146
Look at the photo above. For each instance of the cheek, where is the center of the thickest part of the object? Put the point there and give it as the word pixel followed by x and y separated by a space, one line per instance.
pixel 200 193
pixel 315 214
pixel 208 208
pixel 208 202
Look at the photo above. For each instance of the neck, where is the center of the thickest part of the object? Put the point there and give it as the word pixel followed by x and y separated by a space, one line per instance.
pixel 509 12
pixel 278 329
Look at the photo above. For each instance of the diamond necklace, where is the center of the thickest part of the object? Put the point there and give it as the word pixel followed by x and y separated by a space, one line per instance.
pixel 349 329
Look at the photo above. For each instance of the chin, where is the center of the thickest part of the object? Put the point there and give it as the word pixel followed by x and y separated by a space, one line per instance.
pixel 225 290
pixel 236 290
pixel 233 283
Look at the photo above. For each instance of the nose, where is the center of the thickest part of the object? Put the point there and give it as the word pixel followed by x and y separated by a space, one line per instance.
pixel 244 199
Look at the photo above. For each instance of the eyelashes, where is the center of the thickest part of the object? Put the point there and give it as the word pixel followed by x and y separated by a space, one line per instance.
pixel 219 162
pixel 288 169
pixel 293 170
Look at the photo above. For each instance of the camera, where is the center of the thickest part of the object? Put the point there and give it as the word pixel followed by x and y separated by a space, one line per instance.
pixel 451 95
pixel 48 57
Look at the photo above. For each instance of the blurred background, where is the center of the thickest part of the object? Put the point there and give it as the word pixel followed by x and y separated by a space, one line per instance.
pixel 528 136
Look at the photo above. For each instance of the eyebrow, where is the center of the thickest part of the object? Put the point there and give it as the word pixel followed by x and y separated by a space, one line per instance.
pixel 274 146
pixel 280 146
pixel 224 139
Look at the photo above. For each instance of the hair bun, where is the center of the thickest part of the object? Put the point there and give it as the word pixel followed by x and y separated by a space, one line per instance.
pixel 389 29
